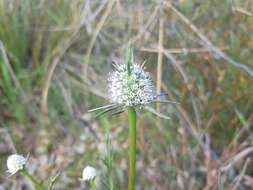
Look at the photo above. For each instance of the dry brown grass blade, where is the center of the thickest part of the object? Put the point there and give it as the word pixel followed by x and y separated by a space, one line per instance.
pixel 144 28
pixel 98 28
pixel 185 117
pixel 10 69
pixel 23 95
pixel 160 55
pixel 9 140
pixel 245 68
pixel 188 83
pixel 66 45
pixel 243 11
pixel 241 175
pixel 236 158
pixel 184 51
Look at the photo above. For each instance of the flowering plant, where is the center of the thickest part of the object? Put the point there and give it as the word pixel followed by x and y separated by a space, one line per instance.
pixel 129 87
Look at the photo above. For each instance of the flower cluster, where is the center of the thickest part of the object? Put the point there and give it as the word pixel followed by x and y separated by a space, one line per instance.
pixel 130 86
pixel 15 163
pixel 136 89
pixel 89 173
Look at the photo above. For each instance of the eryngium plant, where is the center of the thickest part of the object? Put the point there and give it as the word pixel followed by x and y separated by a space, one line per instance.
pixel 16 164
pixel 129 87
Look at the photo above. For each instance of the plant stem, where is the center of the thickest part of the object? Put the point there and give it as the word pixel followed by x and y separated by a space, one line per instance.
pixel 53 181
pixel 92 184
pixel 34 181
pixel 132 148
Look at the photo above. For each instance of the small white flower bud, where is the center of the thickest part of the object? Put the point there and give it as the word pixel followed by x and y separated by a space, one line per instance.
pixel 89 173
pixel 15 163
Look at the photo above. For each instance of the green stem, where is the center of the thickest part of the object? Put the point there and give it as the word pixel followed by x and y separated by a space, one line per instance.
pixel 53 181
pixel 34 181
pixel 132 148
pixel 92 184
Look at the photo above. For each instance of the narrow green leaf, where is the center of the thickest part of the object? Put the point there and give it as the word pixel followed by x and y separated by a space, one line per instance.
pixel 130 59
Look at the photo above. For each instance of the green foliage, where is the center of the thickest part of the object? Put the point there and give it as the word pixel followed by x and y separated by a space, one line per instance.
pixel 108 164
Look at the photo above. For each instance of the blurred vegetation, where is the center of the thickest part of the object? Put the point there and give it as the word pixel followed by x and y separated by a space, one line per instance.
pixel 55 57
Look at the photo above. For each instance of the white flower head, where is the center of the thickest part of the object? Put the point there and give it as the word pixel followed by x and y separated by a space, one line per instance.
pixel 15 163
pixel 130 85
pixel 89 173
pixel 136 89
